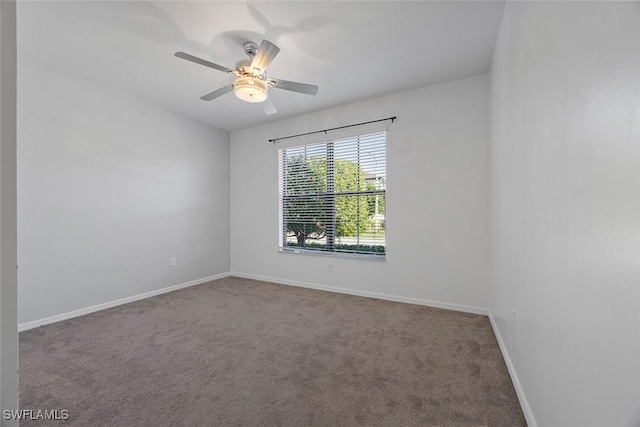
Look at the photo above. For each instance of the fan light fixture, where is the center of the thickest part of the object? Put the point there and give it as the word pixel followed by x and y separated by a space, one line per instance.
pixel 250 89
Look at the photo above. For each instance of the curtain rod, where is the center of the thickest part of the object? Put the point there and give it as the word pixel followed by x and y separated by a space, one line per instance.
pixel 327 130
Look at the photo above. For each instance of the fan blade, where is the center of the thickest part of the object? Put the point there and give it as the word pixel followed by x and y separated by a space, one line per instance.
pixel 203 62
pixel 294 86
pixel 268 107
pixel 266 52
pixel 217 93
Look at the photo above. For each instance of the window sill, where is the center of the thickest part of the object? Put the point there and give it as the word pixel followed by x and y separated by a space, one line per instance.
pixel 347 255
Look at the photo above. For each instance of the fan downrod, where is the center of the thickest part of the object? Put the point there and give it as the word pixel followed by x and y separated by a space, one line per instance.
pixel 250 48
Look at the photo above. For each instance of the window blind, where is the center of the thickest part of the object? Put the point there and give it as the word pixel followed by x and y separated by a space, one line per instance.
pixel 332 195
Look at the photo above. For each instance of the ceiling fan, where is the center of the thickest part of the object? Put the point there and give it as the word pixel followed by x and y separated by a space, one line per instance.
pixel 251 83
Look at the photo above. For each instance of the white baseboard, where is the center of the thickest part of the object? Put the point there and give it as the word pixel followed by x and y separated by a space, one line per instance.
pixel 408 300
pixel 103 306
pixel 524 404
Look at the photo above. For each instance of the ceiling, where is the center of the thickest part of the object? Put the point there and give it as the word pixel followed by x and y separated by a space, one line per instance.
pixel 353 50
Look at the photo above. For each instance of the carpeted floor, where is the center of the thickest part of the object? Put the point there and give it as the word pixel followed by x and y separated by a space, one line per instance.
pixel 238 352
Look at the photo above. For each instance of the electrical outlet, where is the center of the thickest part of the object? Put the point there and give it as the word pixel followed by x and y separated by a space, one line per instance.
pixel 511 338
pixel 330 268
pixel 173 261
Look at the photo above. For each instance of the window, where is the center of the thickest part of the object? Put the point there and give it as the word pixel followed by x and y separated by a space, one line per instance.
pixel 332 196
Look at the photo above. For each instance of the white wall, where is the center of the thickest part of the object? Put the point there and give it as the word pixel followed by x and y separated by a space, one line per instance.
pixel 110 187
pixel 437 198
pixel 565 208
pixel 8 288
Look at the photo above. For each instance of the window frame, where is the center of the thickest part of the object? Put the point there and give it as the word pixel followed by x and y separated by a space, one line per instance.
pixel 331 196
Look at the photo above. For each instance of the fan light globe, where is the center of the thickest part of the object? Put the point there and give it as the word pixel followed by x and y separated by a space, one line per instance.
pixel 250 89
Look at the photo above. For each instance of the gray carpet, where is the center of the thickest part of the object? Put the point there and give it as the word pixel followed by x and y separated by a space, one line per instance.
pixel 237 352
